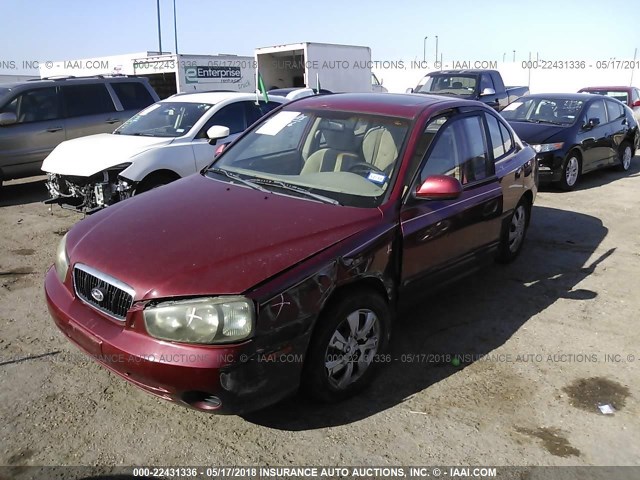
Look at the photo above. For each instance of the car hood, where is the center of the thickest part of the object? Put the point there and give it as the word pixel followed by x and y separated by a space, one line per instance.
pixel 536 133
pixel 85 156
pixel 201 236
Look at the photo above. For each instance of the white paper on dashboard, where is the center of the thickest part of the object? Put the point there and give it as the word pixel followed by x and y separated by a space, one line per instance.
pixel 276 123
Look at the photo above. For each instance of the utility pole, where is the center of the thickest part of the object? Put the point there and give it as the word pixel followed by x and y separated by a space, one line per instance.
pixel 175 26
pixel 159 31
pixel 424 49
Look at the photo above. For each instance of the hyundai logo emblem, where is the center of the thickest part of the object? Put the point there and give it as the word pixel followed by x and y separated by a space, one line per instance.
pixel 97 294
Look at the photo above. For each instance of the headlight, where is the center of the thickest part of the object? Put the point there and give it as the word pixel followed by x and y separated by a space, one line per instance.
pixel 547 147
pixel 62 259
pixel 205 320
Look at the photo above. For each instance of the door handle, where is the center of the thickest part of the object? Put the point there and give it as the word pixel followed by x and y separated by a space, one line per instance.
pixel 54 129
pixel 113 120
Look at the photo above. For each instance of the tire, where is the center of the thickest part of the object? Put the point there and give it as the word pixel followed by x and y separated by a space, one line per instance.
pixel 625 154
pixel 352 313
pixel 513 236
pixel 570 171
pixel 154 181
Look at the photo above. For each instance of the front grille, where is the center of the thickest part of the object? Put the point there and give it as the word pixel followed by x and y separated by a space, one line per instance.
pixel 117 297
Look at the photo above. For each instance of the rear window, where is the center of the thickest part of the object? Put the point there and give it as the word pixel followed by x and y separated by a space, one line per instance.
pixel 91 99
pixel 132 95
pixel 621 96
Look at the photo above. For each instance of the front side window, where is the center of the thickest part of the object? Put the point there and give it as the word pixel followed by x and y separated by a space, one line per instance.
pixel 348 157
pixel 36 105
pixel 596 111
pixel 80 100
pixel 164 119
pixel 486 82
pixel 460 150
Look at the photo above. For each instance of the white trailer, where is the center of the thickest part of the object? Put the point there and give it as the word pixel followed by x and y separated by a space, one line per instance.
pixel 168 73
pixel 338 68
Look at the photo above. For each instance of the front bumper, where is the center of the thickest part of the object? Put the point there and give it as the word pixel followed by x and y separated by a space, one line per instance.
pixel 550 166
pixel 227 379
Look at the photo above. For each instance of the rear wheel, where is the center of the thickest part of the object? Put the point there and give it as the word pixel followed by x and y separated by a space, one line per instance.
pixel 514 234
pixel 625 154
pixel 343 353
pixel 570 171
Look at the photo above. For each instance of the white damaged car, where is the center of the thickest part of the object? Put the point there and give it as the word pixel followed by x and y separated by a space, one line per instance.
pixel 168 140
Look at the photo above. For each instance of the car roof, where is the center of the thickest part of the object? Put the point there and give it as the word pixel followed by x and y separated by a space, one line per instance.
pixel 407 105
pixel 41 82
pixel 217 97
pixel 562 96
pixel 614 88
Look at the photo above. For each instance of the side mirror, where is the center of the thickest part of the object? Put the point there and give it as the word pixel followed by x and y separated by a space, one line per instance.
pixel 8 118
pixel 409 90
pixel 636 104
pixel 439 187
pixel 488 91
pixel 217 132
pixel 591 123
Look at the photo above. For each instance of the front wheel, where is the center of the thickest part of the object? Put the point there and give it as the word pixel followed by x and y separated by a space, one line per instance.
pixel 513 236
pixel 625 154
pixel 346 346
pixel 570 172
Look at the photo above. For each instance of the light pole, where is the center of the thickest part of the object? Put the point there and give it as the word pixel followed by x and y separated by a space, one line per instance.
pixel 436 48
pixel 514 56
pixel 424 50
pixel 175 26
pixel 159 31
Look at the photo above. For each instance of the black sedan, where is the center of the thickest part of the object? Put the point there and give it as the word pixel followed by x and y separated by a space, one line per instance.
pixel 574 134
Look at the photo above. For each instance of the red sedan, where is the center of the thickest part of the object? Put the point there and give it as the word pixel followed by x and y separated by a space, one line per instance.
pixel 281 265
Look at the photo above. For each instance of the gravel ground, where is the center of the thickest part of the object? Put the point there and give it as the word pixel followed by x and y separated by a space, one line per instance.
pixel 542 342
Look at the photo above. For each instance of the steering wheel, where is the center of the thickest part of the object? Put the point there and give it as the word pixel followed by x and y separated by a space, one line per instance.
pixel 364 168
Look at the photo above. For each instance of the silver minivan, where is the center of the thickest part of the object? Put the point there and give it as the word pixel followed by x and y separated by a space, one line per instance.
pixel 37 115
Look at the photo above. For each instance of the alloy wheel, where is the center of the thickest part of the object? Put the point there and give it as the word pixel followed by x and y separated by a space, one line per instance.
pixel 626 158
pixel 352 348
pixel 517 228
pixel 571 172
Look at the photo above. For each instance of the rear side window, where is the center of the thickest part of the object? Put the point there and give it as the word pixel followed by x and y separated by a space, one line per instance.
pixel 132 95
pixel 615 110
pixel 501 140
pixel 83 100
pixel 36 105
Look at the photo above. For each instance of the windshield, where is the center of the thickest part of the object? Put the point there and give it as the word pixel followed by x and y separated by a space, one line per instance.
pixel 448 84
pixel 557 111
pixel 164 119
pixel 348 158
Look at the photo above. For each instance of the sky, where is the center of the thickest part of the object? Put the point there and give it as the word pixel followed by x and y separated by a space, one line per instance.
pixel 467 29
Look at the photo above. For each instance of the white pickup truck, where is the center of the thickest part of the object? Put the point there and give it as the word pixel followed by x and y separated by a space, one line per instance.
pixel 162 143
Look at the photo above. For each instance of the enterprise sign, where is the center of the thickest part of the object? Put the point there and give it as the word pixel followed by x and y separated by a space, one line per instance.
pixel 223 74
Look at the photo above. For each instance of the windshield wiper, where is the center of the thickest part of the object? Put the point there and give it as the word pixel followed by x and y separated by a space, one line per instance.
pixel 237 178
pixel 540 121
pixel 292 188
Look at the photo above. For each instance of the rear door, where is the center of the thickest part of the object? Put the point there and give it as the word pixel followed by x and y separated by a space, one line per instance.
pixel 89 109
pixel 39 129
pixel 618 127
pixel 443 238
pixel 596 141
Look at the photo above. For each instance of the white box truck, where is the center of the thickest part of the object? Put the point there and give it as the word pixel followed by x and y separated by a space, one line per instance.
pixel 338 68
pixel 168 73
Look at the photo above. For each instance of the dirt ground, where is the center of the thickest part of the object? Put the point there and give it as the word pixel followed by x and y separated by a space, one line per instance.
pixel 541 344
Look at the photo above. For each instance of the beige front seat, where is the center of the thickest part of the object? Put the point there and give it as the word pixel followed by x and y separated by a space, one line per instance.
pixel 379 148
pixel 333 158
